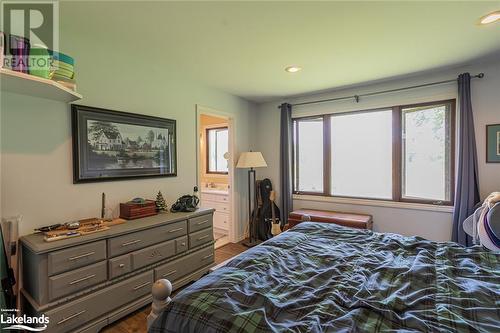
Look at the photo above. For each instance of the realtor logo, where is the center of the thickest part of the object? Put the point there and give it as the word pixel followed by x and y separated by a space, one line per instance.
pixel 12 322
pixel 37 21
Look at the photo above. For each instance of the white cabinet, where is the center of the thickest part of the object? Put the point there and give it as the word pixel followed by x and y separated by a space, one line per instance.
pixel 220 202
pixel 221 221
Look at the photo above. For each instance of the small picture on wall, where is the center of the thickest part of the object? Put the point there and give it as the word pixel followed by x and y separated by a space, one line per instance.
pixel 493 143
pixel 498 143
pixel 112 145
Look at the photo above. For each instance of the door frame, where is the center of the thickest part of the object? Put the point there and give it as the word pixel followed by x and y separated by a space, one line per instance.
pixel 200 109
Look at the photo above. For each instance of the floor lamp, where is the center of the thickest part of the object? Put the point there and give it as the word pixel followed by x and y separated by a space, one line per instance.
pixel 251 159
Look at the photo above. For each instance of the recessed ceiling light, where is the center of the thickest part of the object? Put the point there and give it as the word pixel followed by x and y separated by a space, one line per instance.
pixel 490 18
pixel 293 69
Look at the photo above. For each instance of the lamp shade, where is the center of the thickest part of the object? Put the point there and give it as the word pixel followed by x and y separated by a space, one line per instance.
pixel 251 159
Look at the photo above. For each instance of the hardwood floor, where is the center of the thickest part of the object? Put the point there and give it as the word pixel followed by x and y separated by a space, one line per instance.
pixel 136 322
pixel 228 251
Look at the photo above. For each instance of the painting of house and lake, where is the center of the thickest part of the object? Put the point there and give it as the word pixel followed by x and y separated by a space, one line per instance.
pixel 125 146
pixel 121 145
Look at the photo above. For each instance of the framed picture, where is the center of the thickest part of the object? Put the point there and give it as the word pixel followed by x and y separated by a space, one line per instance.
pixel 113 145
pixel 493 143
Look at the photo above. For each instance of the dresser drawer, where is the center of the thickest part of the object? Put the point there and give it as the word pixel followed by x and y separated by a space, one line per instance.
pixel 153 254
pixel 200 222
pixel 80 312
pixel 172 270
pixel 215 197
pixel 176 269
pixel 201 237
pixel 120 265
pixel 141 239
pixel 218 206
pixel 181 245
pixel 75 257
pixel 205 257
pixel 221 221
pixel 73 281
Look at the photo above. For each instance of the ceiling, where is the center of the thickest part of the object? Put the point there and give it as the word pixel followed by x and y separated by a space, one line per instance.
pixel 243 47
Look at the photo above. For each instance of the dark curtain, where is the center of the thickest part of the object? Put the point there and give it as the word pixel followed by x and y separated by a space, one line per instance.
pixel 286 162
pixel 466 189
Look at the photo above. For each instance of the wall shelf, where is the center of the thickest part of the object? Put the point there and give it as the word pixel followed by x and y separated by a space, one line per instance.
pixel 22 83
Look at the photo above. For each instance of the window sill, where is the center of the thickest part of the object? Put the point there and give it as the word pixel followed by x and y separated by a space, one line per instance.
pixel 215 175
pixel 374 203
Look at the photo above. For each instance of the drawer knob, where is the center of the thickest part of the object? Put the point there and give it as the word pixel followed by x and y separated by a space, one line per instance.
pixel 81 256
pixel 70 317
pixel 203 237
pixel 183 243
pixel 121 265
pixel 202 222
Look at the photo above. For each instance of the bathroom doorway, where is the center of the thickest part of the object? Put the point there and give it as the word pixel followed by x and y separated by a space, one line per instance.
pixel 215 170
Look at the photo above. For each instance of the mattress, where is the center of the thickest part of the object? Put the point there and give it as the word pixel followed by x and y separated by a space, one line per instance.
pixel 321 277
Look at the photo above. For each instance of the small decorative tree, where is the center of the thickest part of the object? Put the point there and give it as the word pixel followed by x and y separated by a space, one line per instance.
pixel 161 205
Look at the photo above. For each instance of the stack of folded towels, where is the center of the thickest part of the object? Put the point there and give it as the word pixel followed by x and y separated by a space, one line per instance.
pixel 63 69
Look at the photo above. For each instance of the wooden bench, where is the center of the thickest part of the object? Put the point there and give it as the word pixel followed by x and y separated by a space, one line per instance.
pixel 353 220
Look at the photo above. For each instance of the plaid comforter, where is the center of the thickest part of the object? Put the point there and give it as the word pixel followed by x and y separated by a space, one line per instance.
pixel 327 278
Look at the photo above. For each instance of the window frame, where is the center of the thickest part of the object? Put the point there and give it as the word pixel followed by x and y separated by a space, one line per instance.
pixel 295 175
pixel 397 153
pixel 449 128
pixel 207 151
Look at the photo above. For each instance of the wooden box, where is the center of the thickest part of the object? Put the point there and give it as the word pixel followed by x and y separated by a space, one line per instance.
pixel 131 210
pixel 352 220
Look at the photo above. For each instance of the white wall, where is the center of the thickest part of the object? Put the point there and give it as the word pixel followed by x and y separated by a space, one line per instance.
pixel 36 155
pixel 429 224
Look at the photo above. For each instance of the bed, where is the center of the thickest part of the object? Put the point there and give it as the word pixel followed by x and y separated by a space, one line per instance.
pixel 326 278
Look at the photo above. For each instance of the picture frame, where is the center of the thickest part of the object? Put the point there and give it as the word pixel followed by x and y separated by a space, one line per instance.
pixel 493 143
pixel 112 145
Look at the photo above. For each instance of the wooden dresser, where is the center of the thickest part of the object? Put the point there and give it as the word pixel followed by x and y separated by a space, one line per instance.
pixel 84 283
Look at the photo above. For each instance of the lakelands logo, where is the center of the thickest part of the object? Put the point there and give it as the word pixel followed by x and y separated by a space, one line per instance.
pixel 24 322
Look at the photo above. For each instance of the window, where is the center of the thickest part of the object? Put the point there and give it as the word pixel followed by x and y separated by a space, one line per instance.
pixel 401 153
pixel 217 146
pixel 361 153
pixel 308 155
pixel 426 149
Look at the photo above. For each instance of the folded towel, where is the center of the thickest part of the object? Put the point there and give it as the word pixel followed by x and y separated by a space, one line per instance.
pixel 57 77
pixel 59 64
pixel 64 73
pixel 62 57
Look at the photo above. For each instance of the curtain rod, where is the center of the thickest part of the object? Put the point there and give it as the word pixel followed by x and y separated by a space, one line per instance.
pixel 357 97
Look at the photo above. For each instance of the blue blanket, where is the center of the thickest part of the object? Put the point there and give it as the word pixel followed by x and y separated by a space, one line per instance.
pixel 326 278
